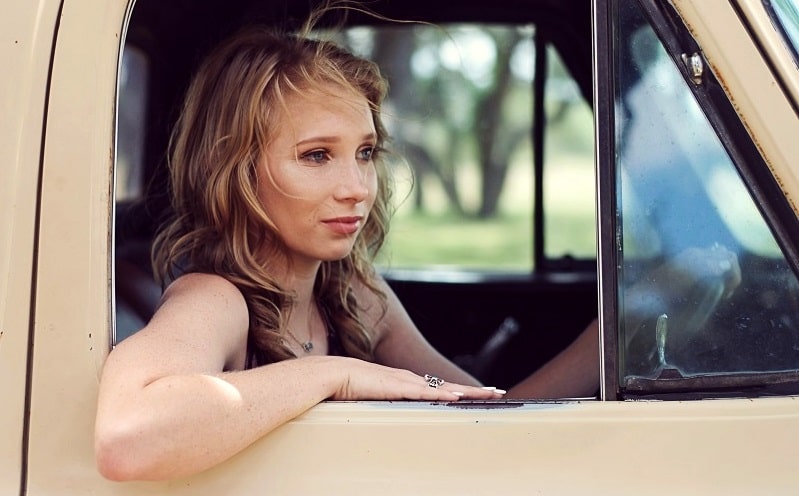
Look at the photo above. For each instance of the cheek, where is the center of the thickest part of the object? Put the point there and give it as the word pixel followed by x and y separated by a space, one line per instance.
pixel 372 185
pixel 280 188
pixel 276 202
pixel 267 193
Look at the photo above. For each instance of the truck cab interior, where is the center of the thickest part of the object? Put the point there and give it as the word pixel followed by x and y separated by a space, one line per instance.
pixel 492 250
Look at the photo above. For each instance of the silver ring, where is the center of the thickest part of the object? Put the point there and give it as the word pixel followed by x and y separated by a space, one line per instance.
pixel 433 381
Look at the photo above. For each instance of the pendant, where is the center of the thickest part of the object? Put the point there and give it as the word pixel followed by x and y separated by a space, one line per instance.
pixel 307 346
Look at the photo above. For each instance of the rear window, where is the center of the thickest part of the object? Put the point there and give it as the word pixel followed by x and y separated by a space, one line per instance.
pixel 461 114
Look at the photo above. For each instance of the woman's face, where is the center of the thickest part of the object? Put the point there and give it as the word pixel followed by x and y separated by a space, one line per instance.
pixel 317 178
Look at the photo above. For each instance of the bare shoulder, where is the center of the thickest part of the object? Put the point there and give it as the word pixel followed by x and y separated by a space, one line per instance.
pixel 205 289
pixel 209 296
pixel 200 325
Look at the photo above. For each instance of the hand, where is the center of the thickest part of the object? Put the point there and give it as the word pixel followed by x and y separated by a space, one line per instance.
pixel 694 268
pixel 686 290
pixel 368 381
pixel 714 264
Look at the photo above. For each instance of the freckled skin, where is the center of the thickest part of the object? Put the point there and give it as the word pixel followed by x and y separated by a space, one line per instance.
pixel 174 398
pixel 319 168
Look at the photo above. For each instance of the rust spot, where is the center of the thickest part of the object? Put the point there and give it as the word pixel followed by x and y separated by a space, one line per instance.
pixel 726 89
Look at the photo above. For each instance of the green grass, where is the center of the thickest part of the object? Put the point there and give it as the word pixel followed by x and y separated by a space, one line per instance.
pixel 424 240
pixel 436 237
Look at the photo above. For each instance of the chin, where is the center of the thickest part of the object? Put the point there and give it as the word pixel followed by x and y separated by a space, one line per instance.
pixel 335 255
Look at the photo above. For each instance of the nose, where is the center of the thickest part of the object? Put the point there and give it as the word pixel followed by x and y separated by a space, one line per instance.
pixel 354 181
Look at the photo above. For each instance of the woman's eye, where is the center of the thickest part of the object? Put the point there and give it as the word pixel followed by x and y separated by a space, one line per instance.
pixel 316 156
pixel 366 153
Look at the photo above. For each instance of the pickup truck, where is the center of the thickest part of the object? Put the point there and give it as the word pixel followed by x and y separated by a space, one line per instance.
pixel 573 159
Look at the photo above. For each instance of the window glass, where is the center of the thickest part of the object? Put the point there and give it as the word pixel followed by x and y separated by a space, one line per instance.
pixel 460 114
pixel 787 14
pixel 703 286
pixel 130 123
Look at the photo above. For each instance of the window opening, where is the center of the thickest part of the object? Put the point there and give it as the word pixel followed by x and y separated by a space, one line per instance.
pixel 135 291
pixel 133 77
pixel 569 181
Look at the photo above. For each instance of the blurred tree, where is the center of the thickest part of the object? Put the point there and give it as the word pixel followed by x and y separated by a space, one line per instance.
pixel 451 109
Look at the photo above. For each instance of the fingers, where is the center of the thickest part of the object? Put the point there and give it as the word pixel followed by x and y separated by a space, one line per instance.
pixel 463 391
pixel 713 263
pixel 727 267
pixel 484 393
pixel 369 381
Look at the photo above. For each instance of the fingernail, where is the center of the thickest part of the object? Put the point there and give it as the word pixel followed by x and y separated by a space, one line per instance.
pixel 457 393
pixel 500 391
pixel 489 388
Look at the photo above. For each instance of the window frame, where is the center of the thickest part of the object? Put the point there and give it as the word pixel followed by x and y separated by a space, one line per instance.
pixel 744 153
pixel 777 46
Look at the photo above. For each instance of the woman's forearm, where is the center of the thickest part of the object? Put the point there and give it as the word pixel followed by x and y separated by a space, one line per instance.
pixel 572 373
pixel 183 424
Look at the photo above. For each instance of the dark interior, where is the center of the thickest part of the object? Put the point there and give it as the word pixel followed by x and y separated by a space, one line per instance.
pixel 550 305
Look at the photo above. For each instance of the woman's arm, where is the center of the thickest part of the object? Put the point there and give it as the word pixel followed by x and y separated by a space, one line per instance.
pixel 166 409
pixel 572 373
pixel 401 344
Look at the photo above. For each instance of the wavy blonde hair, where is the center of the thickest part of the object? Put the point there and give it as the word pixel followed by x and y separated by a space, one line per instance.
pixel 219 226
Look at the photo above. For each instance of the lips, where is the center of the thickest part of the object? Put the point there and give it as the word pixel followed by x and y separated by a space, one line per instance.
pixel 344 225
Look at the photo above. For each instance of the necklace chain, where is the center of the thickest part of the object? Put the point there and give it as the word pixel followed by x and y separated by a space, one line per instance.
pixel 307 346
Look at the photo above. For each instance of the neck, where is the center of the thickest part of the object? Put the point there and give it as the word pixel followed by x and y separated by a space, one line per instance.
pixel 304 321
pixel 297 277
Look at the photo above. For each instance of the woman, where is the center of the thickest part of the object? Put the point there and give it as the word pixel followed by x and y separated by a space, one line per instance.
pixel 281 201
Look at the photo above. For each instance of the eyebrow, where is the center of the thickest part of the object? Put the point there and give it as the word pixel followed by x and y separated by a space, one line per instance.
pixel 333 139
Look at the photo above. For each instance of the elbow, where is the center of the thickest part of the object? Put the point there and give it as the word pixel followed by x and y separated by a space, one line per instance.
pixel 112 459
pixel 117 458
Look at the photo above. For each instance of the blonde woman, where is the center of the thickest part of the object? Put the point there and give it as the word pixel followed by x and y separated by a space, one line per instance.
pixel 272 304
